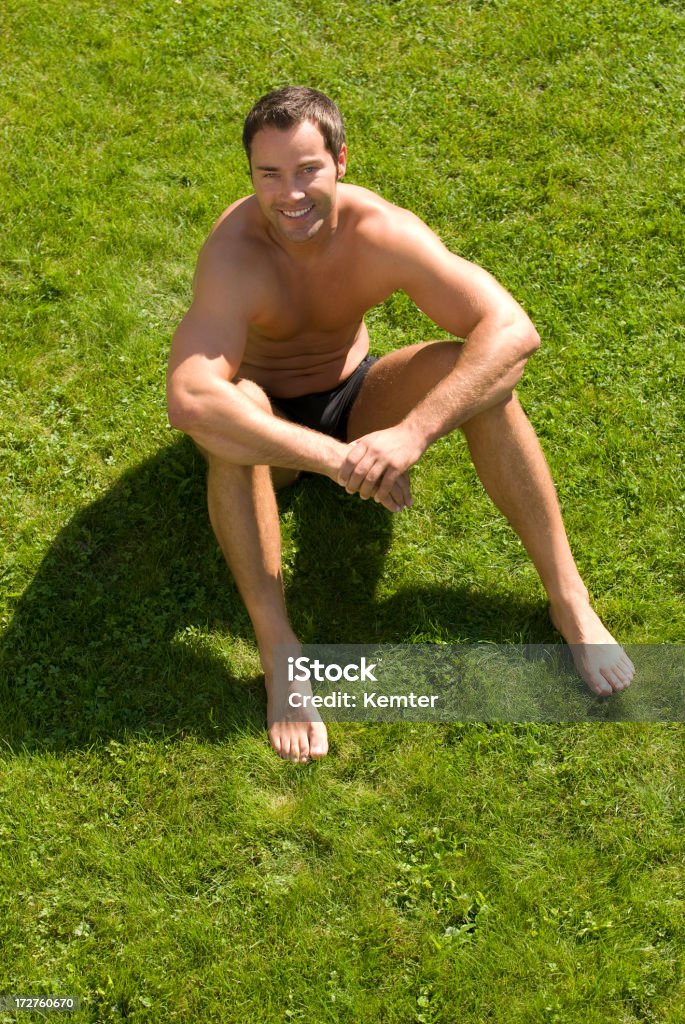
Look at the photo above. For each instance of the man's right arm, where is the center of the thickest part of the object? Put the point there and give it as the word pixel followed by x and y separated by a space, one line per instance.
pixel 203 400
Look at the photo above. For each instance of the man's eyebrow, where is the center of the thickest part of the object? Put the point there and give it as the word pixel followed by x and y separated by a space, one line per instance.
pixel 301 163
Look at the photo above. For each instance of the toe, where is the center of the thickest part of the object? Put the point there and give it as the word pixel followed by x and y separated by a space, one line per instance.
pixel 304 751
pixel 613 679
pixel 289 750
pixel 294 754
pixel 275 741
pixel 318 743
pixel 624 677
pixel 617 676
pixel 628 668
pixel 599 685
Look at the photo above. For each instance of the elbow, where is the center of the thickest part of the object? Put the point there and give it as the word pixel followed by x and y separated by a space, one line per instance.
pixel 183 411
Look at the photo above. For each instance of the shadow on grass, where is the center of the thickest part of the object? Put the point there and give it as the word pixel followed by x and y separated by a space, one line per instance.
pixel 111 637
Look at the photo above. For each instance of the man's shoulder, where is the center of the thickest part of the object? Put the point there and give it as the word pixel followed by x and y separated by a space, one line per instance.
pixel 234 243
pixel 368 208
pixel 235 233
pixel 230 265
pixel 382 224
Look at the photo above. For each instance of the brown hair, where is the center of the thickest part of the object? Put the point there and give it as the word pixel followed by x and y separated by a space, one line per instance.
pixel 284 108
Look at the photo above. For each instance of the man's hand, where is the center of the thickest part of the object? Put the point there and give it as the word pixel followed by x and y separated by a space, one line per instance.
pixel 376 466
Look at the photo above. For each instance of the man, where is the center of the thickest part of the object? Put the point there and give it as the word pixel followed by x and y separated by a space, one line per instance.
pixel 270 375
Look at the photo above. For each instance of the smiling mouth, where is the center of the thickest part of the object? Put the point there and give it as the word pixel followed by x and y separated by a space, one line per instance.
pixel 295 214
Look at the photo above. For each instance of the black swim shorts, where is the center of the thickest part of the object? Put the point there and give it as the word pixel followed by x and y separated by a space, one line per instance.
pixel 327 411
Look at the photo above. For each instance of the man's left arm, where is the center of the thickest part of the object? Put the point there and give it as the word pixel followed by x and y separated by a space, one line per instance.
pixel 465 300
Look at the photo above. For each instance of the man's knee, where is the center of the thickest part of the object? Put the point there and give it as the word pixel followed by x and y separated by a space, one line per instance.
pixel 505 405
pixel 218 467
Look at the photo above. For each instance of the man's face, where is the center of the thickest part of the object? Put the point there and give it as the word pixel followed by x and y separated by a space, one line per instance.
pixel 295 180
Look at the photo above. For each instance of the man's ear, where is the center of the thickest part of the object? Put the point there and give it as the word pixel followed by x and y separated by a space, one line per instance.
pixel 342 162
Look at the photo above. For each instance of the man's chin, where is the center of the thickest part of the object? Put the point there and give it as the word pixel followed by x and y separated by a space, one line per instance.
pixel 300 233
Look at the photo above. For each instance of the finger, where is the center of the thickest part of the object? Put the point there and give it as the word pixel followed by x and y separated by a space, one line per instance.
pixel 390 504
pixel 394 502
pixel 386 483
pixel 396 486
pixel 361 472
pixel 402 492
pixel 369 484
pixel 405 483
pixel 354 469
pixel 399 496
pixel 356 451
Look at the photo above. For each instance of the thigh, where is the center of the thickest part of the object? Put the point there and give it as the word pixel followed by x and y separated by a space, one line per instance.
pixel 398 382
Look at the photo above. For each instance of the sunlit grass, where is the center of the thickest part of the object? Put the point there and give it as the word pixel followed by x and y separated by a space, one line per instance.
pixel 157 858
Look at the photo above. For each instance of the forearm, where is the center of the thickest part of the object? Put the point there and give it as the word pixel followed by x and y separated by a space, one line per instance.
pixel 228 424
pixel 489 367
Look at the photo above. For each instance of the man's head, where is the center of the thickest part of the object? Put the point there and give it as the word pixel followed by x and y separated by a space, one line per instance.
pixel 295 142
pixel 285 108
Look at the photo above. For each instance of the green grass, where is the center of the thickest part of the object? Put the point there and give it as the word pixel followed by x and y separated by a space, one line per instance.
pixel 157 858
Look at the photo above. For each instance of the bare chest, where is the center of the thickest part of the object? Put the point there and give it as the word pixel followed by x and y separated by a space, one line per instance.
pixel 319 300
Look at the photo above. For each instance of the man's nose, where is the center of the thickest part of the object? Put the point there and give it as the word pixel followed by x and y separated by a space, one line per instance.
pixel 293 189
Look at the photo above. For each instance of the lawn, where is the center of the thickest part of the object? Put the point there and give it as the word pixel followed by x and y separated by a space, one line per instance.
pixel 157 860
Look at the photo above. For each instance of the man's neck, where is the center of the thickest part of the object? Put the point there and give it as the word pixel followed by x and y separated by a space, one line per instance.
pixel 308 252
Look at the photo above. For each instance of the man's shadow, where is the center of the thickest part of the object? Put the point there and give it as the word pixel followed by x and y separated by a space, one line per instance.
pixel 133 625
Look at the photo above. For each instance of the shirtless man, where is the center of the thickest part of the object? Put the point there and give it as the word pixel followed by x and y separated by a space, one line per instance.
pixel 269 368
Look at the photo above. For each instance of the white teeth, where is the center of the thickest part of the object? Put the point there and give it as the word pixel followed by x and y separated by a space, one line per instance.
pixel 296 213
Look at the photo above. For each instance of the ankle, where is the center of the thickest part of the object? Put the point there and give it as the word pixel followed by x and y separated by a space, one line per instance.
pixel 267 642
pixel 568 598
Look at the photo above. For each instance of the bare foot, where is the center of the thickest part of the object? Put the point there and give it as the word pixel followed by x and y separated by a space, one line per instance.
pixel 601 662
pixel 296 731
